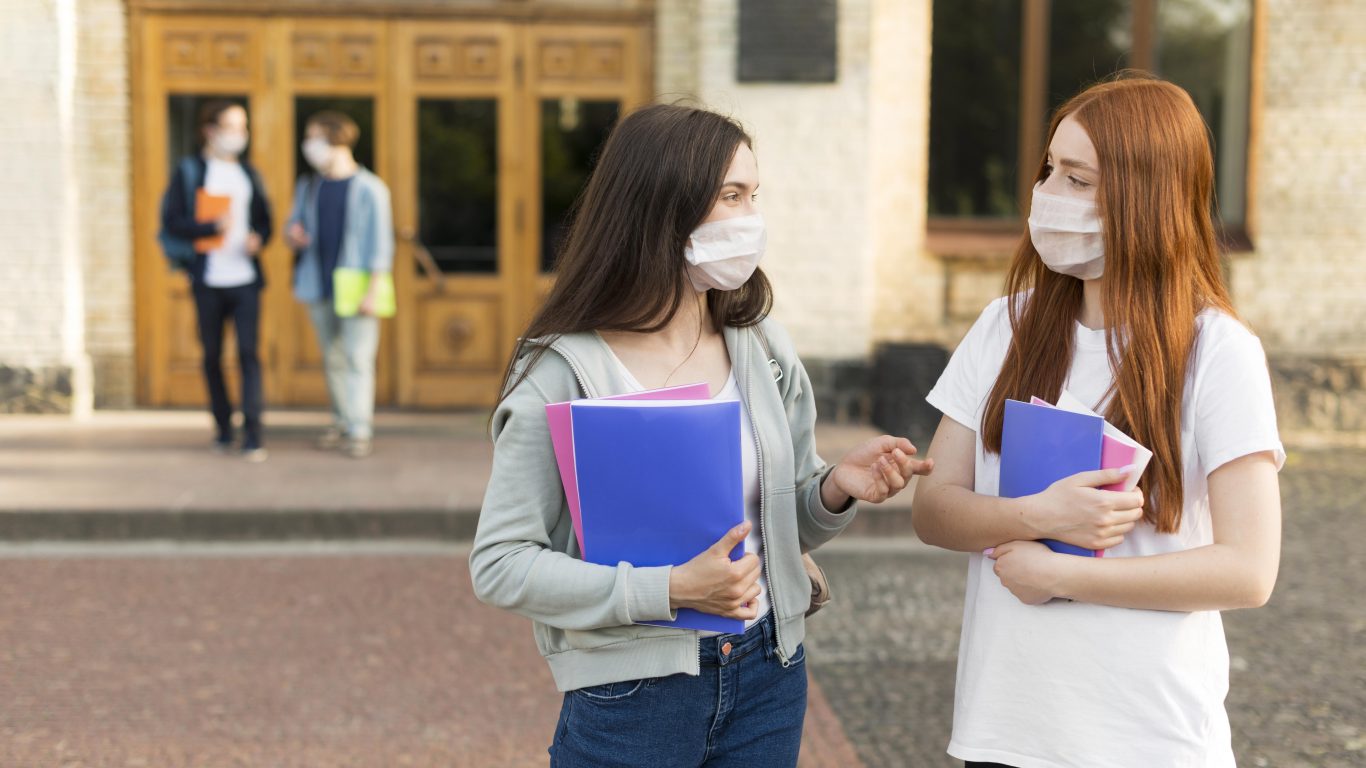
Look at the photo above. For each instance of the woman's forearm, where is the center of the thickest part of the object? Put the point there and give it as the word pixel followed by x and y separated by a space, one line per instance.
pixel 1210 578
pixel 954 517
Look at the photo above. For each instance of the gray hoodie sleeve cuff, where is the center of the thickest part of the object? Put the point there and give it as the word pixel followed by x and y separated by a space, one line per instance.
pixel 826 518
pixel 647 594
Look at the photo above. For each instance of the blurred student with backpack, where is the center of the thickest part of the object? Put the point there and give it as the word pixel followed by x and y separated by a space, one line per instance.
pixel 215 218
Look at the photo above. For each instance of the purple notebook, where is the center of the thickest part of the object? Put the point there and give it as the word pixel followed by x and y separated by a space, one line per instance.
pixel 659 481
pixel 562 437
pixel 1041 445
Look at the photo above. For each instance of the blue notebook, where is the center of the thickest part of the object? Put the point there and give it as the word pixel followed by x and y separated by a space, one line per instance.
pixel 1041 445
pixel 659 482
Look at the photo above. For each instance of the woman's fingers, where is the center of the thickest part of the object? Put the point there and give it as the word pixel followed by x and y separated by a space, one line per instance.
pixel 751 594
pixel 891 475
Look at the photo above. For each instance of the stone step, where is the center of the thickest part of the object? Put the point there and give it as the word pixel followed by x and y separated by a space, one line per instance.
pixel 304 524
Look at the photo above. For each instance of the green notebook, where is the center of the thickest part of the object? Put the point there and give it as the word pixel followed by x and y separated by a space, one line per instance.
pixel 349 287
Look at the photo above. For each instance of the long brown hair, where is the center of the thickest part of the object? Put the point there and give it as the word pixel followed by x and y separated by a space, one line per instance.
pixel 1161 270
pixel 621 267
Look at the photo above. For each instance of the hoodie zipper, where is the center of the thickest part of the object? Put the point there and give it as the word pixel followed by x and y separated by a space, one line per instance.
pixel 574 368
pixel 763 524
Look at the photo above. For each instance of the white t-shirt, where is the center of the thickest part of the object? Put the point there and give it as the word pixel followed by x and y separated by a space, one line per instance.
pixel 1084 685
pixel 749 465
pixel 230 265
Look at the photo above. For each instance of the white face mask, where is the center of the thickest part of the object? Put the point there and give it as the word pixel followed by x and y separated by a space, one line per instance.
pixel 230 144
pixel 1067 234
pixel 723 254
pixel 318 153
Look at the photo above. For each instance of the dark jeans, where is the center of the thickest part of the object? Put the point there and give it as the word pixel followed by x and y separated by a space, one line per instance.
pixel 745 709
pixel 214 307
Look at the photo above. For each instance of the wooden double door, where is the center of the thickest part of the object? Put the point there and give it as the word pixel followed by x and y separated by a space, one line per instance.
pixel 483 130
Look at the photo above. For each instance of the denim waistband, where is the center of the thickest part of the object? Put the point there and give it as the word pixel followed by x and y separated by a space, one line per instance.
pixel 722 650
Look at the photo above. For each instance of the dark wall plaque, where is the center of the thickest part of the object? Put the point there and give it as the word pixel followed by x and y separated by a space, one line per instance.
pixel 788 41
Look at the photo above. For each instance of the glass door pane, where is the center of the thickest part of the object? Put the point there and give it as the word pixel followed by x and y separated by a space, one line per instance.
pixel 457 169
pixel 572 133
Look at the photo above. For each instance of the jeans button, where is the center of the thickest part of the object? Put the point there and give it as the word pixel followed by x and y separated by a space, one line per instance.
pixel 725 649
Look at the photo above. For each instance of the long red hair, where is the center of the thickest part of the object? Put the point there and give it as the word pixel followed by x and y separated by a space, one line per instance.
pixel 1161 270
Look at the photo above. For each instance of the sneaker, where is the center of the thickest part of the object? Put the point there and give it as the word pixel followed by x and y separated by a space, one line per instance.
pixel 358 447
pixel 253 451
pixel 222 444
pixel 330 440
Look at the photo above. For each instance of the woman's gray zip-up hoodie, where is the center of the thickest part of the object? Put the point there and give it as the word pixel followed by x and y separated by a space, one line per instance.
pixel 525 556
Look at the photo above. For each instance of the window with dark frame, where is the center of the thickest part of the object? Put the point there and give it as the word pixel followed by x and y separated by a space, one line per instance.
pixel 1000 67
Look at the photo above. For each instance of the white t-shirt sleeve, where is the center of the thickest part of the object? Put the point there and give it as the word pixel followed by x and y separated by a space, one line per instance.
pixel 1235 415
pixel 960 391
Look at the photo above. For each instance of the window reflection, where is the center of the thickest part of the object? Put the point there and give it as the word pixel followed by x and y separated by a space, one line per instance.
pixel 572 132
pixel 457 161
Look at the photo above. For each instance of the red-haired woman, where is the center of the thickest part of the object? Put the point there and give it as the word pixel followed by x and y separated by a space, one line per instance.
pixel 1116 295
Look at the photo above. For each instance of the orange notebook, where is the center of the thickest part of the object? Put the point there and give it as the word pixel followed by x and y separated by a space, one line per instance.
pixel 209 207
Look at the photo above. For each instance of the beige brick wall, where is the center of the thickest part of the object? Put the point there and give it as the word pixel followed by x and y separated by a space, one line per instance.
pixel 102 154
pixel 814 155
pixel 1304 286
pixel 65 277
pixel 34 280
pixel 676 48
pixel 908 281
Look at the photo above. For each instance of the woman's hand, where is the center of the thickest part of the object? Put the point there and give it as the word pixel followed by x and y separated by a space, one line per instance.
pixel 1076 511
pixel 253 244
pixel 874 472
pixel 1028 569
pixel 713 583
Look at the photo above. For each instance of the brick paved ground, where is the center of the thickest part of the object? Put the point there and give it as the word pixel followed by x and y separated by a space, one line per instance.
pixel 323 656
pixel 330 659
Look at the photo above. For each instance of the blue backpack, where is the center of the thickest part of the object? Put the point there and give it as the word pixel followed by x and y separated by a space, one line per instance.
pixel 180 251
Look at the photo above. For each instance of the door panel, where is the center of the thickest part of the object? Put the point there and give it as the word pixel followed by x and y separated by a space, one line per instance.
pixel 456 208
pixel 582 79
pixel 324 64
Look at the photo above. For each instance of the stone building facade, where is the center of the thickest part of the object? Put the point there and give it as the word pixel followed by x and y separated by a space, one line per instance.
pixel 844 167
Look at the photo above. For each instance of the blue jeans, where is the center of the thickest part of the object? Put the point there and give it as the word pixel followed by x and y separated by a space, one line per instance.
pixel 214 307
pixel 745 709
pixel 349 345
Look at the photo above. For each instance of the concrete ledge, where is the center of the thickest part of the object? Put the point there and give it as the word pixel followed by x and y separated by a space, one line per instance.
pixel 880 522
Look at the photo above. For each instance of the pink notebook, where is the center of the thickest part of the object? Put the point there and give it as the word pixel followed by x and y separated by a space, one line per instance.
pixel 562 438
pixel 1116 448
